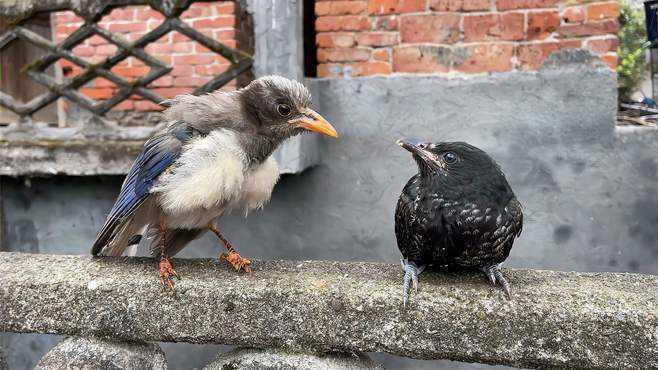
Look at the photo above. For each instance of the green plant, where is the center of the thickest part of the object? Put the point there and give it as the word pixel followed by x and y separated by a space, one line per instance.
pixel 632 38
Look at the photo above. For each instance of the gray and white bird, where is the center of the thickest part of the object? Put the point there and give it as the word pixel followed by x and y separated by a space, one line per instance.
pixel 213 157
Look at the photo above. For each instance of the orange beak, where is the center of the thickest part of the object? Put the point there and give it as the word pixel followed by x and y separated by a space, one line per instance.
pixel 312 121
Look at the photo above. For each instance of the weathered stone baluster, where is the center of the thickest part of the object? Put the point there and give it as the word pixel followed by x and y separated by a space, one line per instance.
pixel 93 353
pixel 247 358
pixel 3 361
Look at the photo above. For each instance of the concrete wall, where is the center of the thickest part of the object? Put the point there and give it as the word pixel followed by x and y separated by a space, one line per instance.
pixel 590 190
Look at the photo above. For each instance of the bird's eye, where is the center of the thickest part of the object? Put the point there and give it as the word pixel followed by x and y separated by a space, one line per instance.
pixel 450 157
pixel 283 109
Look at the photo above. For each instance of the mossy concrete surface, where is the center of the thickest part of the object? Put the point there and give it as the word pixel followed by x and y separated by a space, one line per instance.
pixel 583 320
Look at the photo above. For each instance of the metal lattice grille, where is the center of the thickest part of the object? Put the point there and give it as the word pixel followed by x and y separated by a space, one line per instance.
pixel 92 12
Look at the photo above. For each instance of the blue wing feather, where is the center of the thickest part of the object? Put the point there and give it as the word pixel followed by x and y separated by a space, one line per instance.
pixel 156 156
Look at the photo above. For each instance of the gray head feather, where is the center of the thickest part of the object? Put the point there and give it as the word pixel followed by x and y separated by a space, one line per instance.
pixel 251 111
pixel 298 93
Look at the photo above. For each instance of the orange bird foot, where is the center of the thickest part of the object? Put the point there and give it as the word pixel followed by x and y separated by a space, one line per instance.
pixel 166 273
pixel 238 262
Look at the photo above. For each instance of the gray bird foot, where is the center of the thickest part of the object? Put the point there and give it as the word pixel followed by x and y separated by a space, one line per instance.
pixel 496 276
pixel 411 272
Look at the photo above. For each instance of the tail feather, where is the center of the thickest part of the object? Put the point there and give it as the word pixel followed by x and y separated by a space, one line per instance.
pixel 175 241
pixel 116 242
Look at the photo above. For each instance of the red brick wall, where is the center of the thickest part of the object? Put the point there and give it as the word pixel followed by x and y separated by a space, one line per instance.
pixel 367 37
pixel 193 65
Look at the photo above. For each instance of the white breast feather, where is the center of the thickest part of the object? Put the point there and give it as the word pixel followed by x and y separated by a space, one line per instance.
pixel 258 185
pixel 209 173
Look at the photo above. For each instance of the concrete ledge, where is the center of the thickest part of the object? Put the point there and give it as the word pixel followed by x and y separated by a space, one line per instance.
pixel 584 320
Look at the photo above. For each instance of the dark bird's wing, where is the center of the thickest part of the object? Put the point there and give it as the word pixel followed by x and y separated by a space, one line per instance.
pixel 515 210
pixel 487 239
pixel 403 226
pixel 413 239
pixel 158 154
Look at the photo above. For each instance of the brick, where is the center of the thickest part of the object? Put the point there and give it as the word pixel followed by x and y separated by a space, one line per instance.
pixel 382 55
pixel 335 40
pixel 127 27
pixel 610 60
pixel 422 59
pixel 226 7
pixel 192 81
pixel 193 59
pixel 484 58
pixel 525 4
pixel 165 58
pixel 146 106
pixel 106 49
pixel 531 56
pixel 370 68
pixel 354 69
pixel 179 37
pixel 395 6
pixel 158 48
pixel 131 71
pixel 67 17
pixel 134 36
pixel 343 55
pixel 164 81
pixel 573 14
pixel 330 70
pixel 222 35
pixel 84 51
pixel 211 70
pixel 485 27
pixel 66 29
pixel 171 92
pixel 197 10
pixel 604 27
pixel 182 70
pixel 460 5
pixel 376 38
pixel 121 14
pixel 125 105
pixel 340 7
pixel 602 46
pixel 387 23
pixel 97 93
pixel 436 28
pixel 599 11
pixel 342 23
pixel 542 24
pixel 214 22
pixel 146 13
pixel 101 82
pixel 183 47
pixel 198 48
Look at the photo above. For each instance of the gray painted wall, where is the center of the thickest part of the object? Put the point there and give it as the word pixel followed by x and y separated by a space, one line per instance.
pixel 590 190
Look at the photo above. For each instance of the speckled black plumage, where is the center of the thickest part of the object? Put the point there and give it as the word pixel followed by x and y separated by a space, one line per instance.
pixel 456 214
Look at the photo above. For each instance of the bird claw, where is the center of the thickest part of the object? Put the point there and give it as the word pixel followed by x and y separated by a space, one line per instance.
pixel 238 262
pixel 166 273
pixel 496 276
pixel 411 272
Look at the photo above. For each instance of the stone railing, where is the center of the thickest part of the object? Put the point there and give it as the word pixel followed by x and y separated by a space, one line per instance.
pixel 329 311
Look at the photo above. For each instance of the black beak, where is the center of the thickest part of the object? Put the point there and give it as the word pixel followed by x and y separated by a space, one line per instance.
pixel 419 149
pixel 412 145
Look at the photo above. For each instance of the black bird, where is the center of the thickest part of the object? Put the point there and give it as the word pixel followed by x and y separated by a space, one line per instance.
pixel 458 211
